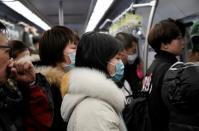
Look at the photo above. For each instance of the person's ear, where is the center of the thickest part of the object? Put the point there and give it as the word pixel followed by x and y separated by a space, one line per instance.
pixel 163 46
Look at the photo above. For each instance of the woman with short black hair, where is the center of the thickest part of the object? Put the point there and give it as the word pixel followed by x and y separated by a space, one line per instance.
pixel 53 46
pixel 57 53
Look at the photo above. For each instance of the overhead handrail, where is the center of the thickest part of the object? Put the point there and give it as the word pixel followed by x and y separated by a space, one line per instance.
pixel 104 23
pixel 123 13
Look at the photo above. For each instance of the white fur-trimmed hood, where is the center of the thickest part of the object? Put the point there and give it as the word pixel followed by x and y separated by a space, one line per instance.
pixel 84 82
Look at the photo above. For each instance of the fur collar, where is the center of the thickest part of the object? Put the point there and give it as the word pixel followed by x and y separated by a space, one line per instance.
pixel 84 82
pixel 53 75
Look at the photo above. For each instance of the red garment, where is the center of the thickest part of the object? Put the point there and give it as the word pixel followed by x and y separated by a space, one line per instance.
pixel 39 118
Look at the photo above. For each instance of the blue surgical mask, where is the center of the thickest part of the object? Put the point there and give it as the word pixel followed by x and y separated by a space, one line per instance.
pixel 72 59
pixel 131 58
pixel 119 72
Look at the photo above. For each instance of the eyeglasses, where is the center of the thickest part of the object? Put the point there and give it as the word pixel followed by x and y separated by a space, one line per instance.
pixel 7 49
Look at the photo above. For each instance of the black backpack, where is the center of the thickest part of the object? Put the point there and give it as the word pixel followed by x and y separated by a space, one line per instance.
pixel 136 113
pixel 180 92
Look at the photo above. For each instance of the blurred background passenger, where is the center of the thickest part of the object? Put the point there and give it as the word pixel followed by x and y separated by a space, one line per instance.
pixel 35 40
pixel 133 75
pixel 26 36
pixel 19 49
pixel 194 55
pixel 57 54
pixel 92 101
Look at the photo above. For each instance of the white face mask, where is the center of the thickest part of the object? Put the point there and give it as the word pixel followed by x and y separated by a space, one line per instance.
pixel 131 58
pixel 72 59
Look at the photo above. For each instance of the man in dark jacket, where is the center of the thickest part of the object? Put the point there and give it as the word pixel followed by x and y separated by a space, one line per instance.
pixel 166 39
pixel 180 90
pixel 24 105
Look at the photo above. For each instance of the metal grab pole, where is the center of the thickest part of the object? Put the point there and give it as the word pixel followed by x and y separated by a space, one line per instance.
pixel 61 13
pixel 153 4
pixel 123 13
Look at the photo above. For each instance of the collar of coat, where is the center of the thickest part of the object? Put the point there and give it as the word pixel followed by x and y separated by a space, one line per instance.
pixel 84 82
pixel 54 75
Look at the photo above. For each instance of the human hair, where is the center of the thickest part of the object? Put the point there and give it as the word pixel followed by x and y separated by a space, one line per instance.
pixel 2 28
pixel 195 42
pixel 76 38
pixel 95 50
pixel 126 39
pixel 35 39
pixel 195 36
pixel 17 47
pixel 53 43
pixel 180 25
pixel 163 32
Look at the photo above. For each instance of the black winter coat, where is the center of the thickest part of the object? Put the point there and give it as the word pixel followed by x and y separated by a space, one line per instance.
pixel 158 111
pixel 58 122
pixel 131 76
pixel 180 93
pixel 10 108
pixel 18 103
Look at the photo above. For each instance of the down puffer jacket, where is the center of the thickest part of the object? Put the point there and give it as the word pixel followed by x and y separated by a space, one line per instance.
pixel 180 93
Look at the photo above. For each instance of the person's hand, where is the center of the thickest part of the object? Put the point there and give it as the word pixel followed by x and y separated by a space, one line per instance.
pixel 26 28
pixel 23 71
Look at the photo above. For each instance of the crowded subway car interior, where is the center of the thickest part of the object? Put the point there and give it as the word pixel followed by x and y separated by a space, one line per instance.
pixel 131 16
pixel 48 42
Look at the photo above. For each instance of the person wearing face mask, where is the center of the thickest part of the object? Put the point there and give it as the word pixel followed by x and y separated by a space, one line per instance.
pixel 91 84
pixel 132 80
pixel 118 70
pixel 57 51
pixel 72 61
